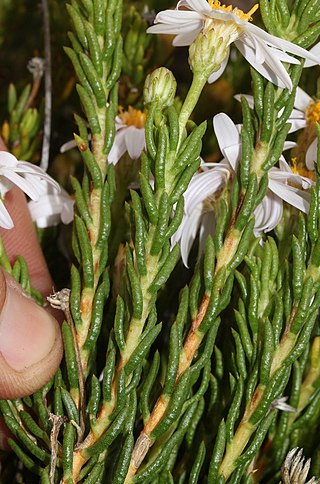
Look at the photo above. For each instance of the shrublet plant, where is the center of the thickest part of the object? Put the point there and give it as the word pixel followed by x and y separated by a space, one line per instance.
pixel 206 374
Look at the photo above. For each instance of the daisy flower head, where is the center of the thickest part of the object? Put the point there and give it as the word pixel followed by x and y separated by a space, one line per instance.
pixel 130 135
pixel 205 189
pixel 305 115
pixel 200 198
pixel 29 178
pixel 265 52
pixel 284 182
pixel 284 185
pixel 309 111
pixel 51 207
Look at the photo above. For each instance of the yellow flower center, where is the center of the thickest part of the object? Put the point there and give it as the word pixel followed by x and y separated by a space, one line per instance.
pixel 132 117
pixel 302 170
pixel 313 113
pixel 215 4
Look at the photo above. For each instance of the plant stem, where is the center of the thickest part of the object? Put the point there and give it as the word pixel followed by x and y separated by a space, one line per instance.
pixel 198 83
pixel 245 429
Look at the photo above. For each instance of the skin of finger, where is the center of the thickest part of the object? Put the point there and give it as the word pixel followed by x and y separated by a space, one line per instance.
pixel 2 145
pixel 16 383
pixel 22 240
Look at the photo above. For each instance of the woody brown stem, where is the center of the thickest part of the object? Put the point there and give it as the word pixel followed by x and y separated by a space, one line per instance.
pixel 190 347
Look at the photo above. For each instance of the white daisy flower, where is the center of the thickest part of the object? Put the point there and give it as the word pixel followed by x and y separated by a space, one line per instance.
pixel 309 111
pixel 284 186
pixel 305 111
pixel 265 52
pixel 203 190
pixel 206 187
pixel 129 137
pixel 305 114
pixel 51 207
pixel 29 178
pixel 298 116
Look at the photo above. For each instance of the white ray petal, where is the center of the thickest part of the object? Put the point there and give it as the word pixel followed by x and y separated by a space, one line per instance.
pixel 119 147
pixel 5 220
pixel 189 234
pixel 311 155
pixel 200 6
pixel 67 213
pixel 233 155
pixel 295 113
pixel 172 29
pixel 263 69
pixel 69 145
pixel 135 141
pixel 282 44
pixel 207 227
pixel 248 97
pixel 302 99
pixel 24 184
pixel 288 145
pixel 186 38
pixel 274 59
pixel 259 49
pixel 50 208
pixel 182 3
pixel 281 56
pixel 215 75
pixel 8 160
pixel 286 175
pixel 316 52
pixel 268 213
pixel 225 130
pixel 295 197
pixel 296 124
pixel 227 17
pixel 202 186
pixel 178 16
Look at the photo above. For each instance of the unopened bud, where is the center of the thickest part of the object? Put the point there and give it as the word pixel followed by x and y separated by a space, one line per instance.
pixel 160 87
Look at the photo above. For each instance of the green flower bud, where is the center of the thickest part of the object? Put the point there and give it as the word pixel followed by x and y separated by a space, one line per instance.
pixel 160 87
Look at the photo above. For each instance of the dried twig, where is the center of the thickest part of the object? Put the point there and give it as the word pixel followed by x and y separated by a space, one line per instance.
pixel 48 87
pixel 295 469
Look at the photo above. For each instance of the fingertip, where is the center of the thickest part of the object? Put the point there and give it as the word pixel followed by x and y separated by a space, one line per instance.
pixel 30 342
pixel 2 145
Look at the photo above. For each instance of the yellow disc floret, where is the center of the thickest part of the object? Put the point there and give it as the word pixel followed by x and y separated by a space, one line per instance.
pixel 313 113
pixel 215 4
pixel 132 117
pixel 298 169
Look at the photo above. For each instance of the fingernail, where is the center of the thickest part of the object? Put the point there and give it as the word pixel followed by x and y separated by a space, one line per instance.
pixel 27 331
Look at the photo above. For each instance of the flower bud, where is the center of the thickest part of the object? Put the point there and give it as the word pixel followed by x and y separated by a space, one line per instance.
pixel 160 87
